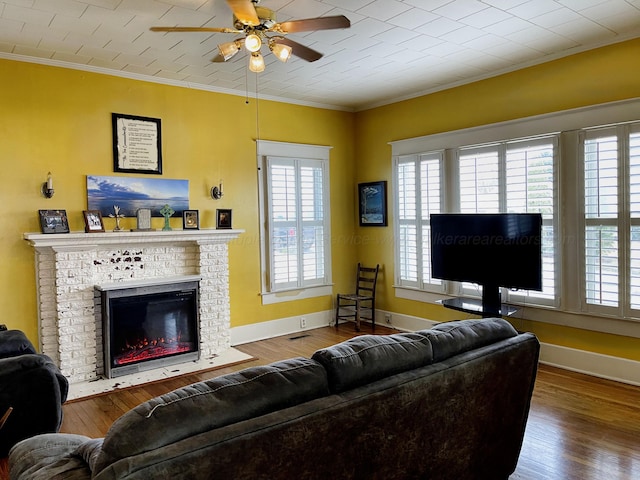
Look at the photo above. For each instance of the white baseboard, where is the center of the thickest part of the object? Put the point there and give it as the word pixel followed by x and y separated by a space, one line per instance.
pixel 596 364
pixel 582 361
pixel 279 327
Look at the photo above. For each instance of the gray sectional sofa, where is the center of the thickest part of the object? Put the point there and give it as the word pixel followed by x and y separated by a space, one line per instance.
pixel 446 403
pixel 32 389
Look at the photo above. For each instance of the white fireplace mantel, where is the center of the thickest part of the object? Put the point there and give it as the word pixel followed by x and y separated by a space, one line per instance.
pixel 69 266
pixel 83 241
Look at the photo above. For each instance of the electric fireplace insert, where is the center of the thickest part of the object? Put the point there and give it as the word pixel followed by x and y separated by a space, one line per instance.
pixel 149 327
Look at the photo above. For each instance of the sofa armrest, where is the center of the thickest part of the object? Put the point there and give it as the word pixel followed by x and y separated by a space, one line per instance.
pixel 48 456
pixel 33 386
pixel 14 343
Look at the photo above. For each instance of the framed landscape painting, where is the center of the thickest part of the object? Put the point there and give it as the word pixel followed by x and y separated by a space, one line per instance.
pixel 133 193
pixel 372 200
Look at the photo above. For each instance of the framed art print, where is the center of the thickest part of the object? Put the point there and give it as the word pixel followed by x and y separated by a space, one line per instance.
pixel 223 218
pixel 134 193
pixel 372 201
pixel 137 144
pixel 54 221
pixel 190 220
pixel 93 221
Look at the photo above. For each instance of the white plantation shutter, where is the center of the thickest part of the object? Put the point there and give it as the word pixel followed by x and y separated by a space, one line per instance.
pixel 479 170
pixel 313 207
pixel 634 213
pixel 407 244
pixel 283 222
pixel 294 207
pixel 601 218
pixel 479 180
pixel 430 202
pixel 419 193
pixel 612 220
pixel 514 177
pixel 530 188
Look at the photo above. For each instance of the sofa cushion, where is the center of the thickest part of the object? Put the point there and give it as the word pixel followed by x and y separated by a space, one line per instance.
pixel 212 404
pixel 367 358
pixel 451 338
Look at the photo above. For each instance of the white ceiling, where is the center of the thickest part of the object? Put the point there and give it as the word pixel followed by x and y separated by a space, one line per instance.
pixel 395 49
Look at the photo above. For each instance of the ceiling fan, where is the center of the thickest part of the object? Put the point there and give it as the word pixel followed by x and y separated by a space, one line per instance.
pixel 259 26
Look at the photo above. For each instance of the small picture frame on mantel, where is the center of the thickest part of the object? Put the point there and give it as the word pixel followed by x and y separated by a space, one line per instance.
pixel 54 221
pixel 223 218
pixel 143 220
pixel 93 221
pixel 190 220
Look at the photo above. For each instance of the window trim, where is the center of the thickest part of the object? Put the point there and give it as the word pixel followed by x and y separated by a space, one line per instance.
pixel 267 148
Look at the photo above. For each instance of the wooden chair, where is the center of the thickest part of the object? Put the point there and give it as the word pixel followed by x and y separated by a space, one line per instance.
pixel 361 304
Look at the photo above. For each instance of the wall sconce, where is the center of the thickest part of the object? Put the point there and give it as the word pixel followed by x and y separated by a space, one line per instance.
pixel 216 191
pixel 47 187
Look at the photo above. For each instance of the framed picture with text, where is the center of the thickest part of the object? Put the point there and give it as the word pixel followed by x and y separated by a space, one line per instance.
pixel 137 144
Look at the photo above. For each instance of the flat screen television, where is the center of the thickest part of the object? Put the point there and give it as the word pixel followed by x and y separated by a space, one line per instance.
pixel 492 250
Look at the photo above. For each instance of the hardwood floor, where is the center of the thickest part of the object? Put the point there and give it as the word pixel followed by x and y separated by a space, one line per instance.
pixel 580 427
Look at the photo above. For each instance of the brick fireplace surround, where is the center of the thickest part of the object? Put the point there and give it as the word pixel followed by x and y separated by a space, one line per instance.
pixel 70 266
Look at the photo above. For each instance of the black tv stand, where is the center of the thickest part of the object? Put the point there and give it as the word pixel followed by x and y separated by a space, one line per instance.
pixel 474 306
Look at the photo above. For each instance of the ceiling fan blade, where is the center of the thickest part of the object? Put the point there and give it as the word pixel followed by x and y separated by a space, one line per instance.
pixel 301 51
pixel 244 11
pixel 309 24
pixel 195 29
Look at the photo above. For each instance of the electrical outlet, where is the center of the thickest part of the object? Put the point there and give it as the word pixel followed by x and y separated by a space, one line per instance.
pixel 303 322
pixel 387 318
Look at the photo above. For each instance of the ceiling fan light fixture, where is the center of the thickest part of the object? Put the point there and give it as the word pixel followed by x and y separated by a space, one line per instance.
pixel 282 52
pixel 253 42
pixel 229 49
pixel 256 62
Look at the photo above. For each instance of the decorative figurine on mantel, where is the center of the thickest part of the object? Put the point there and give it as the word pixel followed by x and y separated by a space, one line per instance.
pixel 166 212
pixel 117 216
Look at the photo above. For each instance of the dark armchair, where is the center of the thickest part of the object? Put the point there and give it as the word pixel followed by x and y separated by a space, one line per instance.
pixel 32 391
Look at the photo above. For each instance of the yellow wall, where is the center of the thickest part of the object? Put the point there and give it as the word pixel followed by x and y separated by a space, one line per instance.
pixel 59 120
pixel 598 76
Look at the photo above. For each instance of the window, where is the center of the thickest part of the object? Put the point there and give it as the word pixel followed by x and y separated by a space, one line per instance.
pixel 584 180
pixel 294 182
pixel 419 195
pixel 611 168
pixel 514 177
pixel 510 177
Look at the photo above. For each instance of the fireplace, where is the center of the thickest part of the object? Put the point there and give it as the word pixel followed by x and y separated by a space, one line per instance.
pixel 148 327
pixel 69 266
